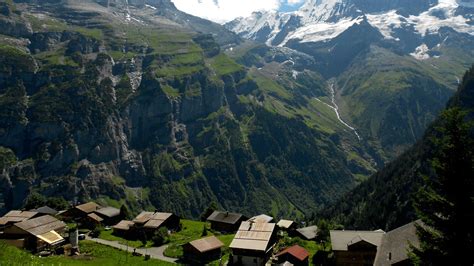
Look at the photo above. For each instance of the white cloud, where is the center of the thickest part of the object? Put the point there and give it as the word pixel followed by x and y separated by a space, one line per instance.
pixel 226 10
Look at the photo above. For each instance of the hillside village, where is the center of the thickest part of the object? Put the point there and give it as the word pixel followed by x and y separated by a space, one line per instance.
pixel 224 238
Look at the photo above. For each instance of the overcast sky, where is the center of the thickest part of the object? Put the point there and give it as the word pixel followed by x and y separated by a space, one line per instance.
pixel 226 10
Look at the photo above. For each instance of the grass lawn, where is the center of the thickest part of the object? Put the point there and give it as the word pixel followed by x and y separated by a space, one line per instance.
pixel 107 235
pixel 93 254
pixel 192 230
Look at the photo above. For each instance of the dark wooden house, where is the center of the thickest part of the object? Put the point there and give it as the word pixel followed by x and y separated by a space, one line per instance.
pixel 202 250
pixel 37 234
pixel 355 248
pixel 150 222
pixel 225 221
pixel 80 212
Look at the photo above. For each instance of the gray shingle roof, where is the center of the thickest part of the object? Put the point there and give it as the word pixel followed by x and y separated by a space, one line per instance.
pixel 108 212
pixel 225 217
pixel 395 245
pixel 46 210
pixel 206 244
pixel 341 240
pixel 309 232
pixel 41 225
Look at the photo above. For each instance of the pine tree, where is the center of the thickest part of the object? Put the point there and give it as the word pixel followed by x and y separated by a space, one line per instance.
pixel 446 203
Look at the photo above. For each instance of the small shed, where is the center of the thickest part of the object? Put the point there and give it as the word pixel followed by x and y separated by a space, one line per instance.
pixel 44 232
pixel 203 250
pixel 286 225
pixel 295 255
pixel 15 217
pixel 307 233
pixel 123 228
pixel 109 215
pixel 225 221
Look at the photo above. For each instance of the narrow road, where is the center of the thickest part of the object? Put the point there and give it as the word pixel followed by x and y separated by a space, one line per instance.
pixel 336 110
pixel 155 253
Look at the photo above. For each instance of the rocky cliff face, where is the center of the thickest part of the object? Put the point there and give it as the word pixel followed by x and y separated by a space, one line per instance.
pixel 153 114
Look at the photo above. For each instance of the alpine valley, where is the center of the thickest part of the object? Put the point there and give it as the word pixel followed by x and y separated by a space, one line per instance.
pixel 135 102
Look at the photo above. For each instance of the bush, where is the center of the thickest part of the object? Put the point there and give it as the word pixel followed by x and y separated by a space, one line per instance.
pixel 96 232
pixel 160 237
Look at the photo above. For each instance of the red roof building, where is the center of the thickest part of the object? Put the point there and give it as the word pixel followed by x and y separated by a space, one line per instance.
pixel 295 255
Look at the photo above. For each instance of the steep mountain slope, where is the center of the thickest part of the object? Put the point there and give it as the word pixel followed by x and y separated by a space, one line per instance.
pixel 385 200
pixel 113 101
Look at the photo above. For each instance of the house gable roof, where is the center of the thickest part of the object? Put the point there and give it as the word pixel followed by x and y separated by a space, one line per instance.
pixel 17 216
pixel 285 223
pixel 46 210
pixel 253 236
pixel 296 251
pixel 40 225
pixel 152 219
pixel 225 217
pixel 262 218
pixel 88 207
pixel 95 217
pixel 395 244
pixel 341 240
pixel 108 212
pixel 309 232
pixel 123 225
pixel 206 244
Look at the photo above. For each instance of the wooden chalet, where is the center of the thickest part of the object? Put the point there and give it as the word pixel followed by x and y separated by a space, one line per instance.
pixel 149 222
pixel 356 247
pixel 225 221
pixel 253 243
pixel 202 250
pixel 375 247
pixel 81 211
pixel 294 255
pixel 37 234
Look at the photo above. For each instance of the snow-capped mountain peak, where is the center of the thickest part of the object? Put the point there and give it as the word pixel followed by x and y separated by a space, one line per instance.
pixel 322 20
pixel 325 10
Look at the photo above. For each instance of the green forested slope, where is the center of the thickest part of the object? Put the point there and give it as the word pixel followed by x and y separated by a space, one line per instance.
pixel 385 200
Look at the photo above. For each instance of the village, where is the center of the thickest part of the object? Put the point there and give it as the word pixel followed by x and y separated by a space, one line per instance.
pixel 222 238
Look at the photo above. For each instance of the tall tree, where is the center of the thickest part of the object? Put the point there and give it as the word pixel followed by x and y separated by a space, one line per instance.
pixel 446 203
